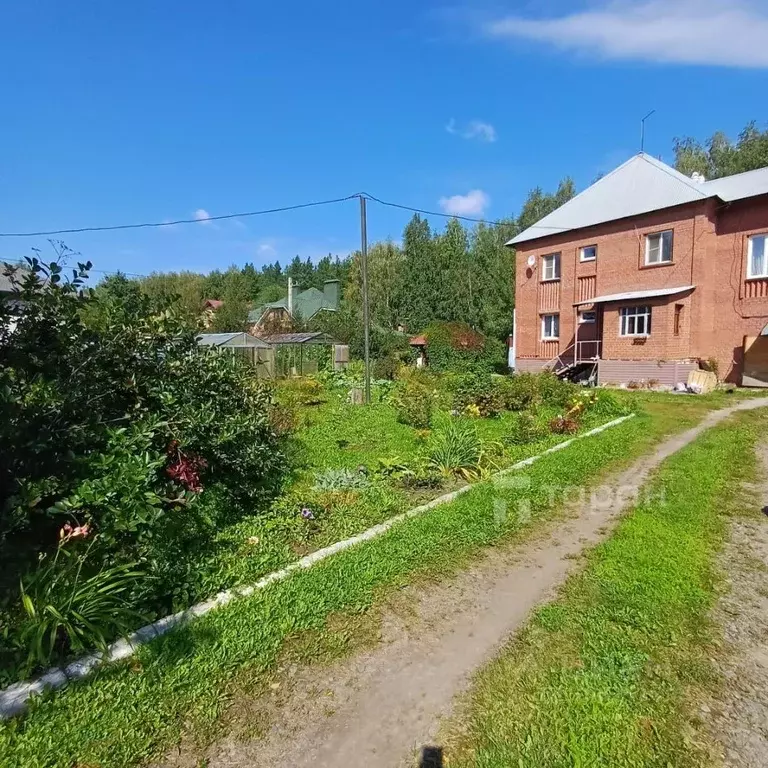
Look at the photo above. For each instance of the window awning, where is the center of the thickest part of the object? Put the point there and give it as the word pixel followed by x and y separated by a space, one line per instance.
pixel 635 295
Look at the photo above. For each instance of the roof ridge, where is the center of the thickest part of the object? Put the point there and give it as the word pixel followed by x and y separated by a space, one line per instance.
pixel 673 173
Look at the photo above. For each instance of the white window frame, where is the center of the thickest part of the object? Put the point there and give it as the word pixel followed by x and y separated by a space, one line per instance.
pixel 630 317
pixel 582 317
pixel 751 244
pixel 550 263
pixel 583 258
pixel 661 237
pixel 554 319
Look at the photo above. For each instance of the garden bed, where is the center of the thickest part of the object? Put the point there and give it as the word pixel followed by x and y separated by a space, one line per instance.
pixel 358 466
pixel 353 467
pixel 180 681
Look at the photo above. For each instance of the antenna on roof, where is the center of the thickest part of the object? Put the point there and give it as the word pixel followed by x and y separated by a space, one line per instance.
pixel 642 129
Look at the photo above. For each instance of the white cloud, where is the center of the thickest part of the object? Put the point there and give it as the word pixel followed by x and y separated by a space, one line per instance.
pixel 203 216
pixel 473 203
pixel 710 32
pixel 475 129
pixel 266 249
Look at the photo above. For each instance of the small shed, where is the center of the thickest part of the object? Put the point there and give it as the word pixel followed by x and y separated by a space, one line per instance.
pixel 292 345
pixel 256 351
pixel 419 346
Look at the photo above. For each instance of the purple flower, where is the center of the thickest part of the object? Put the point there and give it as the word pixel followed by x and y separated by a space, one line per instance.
pixel 306 513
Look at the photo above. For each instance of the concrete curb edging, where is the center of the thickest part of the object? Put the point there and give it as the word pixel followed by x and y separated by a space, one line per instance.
pixel 13 699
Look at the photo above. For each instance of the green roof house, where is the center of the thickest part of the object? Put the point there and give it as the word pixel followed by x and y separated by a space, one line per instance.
pixel 278 315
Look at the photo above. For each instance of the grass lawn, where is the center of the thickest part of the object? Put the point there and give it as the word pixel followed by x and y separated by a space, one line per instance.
pixel 333 435
pixel 183 681
pixel 601 676
pixel 336 434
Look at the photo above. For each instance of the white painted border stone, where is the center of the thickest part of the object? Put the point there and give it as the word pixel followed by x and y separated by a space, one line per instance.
pixel 13 699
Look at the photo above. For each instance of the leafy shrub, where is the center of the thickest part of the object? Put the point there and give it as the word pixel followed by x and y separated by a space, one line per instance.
pixel 113 416
pixel 600 402
pixel 525 430
pixel 563 425
pixel 303 391
pixel 518 392
pixel 555 391
pixel 68 609
pixel 342 479
pixel 393 467
pixel 457 347
pixel 475 394
pixel 283 419
pixel 455 448
pixel 414 401
pixel 385 367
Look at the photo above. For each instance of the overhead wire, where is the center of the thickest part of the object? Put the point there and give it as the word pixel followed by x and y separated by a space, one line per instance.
pixel 264 212
pixel 197 220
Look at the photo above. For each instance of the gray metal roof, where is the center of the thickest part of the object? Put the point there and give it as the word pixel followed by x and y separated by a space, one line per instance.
pixel 641 185
pixel 739 186
pixel 314 337
pixel 635 295
pixel 230 340
pixel 20 272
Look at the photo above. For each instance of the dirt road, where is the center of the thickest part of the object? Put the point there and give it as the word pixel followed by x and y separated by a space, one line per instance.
pixel 737 719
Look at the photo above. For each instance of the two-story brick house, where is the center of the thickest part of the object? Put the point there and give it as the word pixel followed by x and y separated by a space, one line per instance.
pixel 647 272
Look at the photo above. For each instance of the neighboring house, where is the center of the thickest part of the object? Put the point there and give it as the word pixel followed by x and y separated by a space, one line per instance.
pixel 647 272
pixel 7 291
pixel 210 308
pixel 278 316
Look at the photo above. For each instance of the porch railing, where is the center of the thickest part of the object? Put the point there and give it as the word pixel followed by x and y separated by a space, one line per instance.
pixel 580 352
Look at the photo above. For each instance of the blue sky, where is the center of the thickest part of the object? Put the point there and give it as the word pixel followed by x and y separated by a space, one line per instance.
pixel 150 111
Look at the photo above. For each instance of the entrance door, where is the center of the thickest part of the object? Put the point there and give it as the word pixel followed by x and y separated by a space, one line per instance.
pixel 756 360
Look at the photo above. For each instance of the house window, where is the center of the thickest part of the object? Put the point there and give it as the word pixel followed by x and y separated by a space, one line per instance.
pixel 588 253
pixel 588 316
pixel 658 248
pixel 551 264
pixel 678 319
pixel 635 321
pixel 757 256
pixel 550 327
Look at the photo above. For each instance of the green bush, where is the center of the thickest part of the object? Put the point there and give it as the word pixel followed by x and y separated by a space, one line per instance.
pixel 518 392
pixel 455 448
pixel 112 417
pixel 605 403
pixel 525 430
pixel 386 367
pixel 302 391
pixel 476 394
pixel 457 347
pixel 555 391
pixel 414 401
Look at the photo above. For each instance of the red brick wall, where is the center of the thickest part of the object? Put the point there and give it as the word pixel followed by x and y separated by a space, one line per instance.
pixel 709 251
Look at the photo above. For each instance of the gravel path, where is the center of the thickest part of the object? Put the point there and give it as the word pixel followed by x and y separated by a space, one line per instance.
pixel 738 717
pixel 382 706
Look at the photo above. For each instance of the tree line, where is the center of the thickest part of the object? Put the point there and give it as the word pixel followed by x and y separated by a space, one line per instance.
pixel 456 273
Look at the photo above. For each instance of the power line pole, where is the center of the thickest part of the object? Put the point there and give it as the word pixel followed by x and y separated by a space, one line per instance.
pixel 366 318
